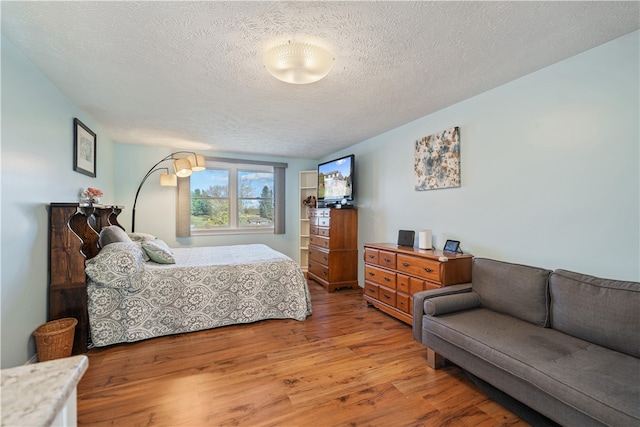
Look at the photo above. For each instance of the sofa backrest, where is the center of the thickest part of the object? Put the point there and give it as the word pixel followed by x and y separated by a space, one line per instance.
pixel 601 311
pixel 518 290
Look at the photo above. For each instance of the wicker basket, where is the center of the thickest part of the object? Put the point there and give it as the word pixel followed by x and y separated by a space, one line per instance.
pixel 54 340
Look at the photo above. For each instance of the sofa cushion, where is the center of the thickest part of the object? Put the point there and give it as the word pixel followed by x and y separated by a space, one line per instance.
pixel 601 311
pixel 595 380
pixel 451 303
pixel 518 290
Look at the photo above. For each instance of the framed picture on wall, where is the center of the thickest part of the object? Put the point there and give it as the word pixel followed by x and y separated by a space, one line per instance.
pixel 84 149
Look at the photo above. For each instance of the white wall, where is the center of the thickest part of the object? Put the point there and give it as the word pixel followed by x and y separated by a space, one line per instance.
pixel 156 207
pixel 550 170
pixel 37 168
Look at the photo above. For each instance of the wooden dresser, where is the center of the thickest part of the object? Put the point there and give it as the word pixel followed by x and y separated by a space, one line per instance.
pixel 394 273
pixel 73 238
pixel 333 248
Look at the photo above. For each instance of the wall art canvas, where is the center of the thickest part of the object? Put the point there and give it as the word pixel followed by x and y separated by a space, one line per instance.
pixel 437 160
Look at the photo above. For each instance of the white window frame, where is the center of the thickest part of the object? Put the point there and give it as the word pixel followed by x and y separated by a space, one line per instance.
pixel 183 218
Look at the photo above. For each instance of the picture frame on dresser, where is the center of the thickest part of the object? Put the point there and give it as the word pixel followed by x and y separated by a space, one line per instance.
pixel 84 149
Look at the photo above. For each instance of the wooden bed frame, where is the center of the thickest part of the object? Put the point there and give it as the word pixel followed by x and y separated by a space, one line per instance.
pixel 74 229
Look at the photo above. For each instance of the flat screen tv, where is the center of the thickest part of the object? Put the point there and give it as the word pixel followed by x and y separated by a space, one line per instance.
pixel 335 180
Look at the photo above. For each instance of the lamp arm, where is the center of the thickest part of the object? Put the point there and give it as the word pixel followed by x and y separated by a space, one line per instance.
pixel 152 170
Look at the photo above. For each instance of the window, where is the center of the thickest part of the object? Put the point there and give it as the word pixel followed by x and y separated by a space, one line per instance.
pixel 232 196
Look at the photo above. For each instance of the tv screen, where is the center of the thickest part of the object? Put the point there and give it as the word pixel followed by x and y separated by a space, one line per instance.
pixel 335 179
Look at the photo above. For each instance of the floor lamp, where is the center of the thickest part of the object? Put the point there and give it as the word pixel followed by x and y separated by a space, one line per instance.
pixel 183 167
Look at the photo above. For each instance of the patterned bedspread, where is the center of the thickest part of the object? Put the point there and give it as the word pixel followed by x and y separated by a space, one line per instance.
pixel 208 287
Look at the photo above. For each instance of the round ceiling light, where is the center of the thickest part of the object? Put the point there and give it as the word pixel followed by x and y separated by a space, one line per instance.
pixel 298 63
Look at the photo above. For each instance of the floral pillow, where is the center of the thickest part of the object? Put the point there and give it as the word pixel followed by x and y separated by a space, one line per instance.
pixel 118 265
pixel 139 239
pixel 158 251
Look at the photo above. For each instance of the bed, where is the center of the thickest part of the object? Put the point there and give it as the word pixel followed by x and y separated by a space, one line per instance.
pixel 125 287
pixel 132 299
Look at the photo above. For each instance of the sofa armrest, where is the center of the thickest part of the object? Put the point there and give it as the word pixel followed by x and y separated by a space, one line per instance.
pixel 420 297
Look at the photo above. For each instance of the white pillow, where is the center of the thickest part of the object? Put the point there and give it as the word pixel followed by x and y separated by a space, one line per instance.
pixel 141 237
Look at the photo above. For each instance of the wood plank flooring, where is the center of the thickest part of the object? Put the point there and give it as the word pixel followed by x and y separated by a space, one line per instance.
pixel 346 365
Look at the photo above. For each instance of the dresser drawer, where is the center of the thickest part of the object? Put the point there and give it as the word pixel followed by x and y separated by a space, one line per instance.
pixel 371 255
pixel 323 231
pixel 387 259
pixel 421 267
pixel 403 302
pixel 371 289
pixel 387 296
pixel 316 254
pixel 324 222
pixel 322 242
pixel 418 285
pixel 318 269
pixel 402 283
pixel 380 276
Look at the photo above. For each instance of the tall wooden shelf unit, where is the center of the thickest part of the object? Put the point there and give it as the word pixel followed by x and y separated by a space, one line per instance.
pixel 308 184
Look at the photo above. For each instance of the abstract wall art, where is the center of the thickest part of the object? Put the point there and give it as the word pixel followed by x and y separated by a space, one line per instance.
pixel 437 160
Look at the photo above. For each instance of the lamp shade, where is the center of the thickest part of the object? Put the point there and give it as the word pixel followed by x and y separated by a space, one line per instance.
pixel 182 167
pixel 168 180
pixel 197 162
pixel 298 63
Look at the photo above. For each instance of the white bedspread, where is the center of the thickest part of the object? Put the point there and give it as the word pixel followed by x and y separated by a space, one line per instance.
pixel 208 287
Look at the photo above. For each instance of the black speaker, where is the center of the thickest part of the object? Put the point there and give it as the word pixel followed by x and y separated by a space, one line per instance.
pixel 406 237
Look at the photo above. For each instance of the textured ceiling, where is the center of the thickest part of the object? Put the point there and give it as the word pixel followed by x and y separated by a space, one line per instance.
pixel 190 74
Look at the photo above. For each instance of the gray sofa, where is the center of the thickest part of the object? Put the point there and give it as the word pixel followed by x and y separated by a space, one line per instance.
pixel 565 344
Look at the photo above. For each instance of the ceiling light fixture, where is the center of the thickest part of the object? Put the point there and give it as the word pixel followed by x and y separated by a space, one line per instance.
pixel 298 63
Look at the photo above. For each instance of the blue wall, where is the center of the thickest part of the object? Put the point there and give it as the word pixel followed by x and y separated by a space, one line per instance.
pixel 37 169
pixel 550 169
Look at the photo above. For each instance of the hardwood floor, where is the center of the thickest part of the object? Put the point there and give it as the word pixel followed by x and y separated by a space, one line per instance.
pixel 346 365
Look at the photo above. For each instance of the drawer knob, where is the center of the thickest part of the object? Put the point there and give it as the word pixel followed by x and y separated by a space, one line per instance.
pixel 386 296
pixel 406 264
pixel 386 279
pixel 324 273
pixel 325 258
pixel 387 260
pixel 371 274
pixel 371 256
pixel 428 270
